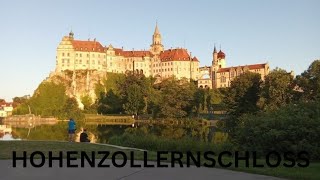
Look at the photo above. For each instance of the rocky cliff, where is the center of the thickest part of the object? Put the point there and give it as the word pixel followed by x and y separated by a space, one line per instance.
pixel 78 83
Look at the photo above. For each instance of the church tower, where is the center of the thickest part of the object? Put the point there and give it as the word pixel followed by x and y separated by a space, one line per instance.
pixel 156 46
pixel 218 61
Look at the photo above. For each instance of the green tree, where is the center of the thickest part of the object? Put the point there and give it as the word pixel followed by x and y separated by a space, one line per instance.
pixel 176 98
pixel 242 97
pixel 277 89
pixel 293 128
pixel 50 99
pixel 110 103
pixel 70 110
pixel 86 101
pixel 309 82
pixel 134 99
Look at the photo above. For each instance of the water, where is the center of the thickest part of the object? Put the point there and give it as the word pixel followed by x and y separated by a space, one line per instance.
pixel 102 132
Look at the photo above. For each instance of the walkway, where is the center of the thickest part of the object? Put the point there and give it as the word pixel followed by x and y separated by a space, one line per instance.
pixel 113 173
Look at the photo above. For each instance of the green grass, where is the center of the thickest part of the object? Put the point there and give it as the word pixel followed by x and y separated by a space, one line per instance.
pixel 6 148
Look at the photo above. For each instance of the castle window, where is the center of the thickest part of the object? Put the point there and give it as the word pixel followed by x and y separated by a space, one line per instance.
pixel 76 54
pixel 92 55
pixel 62 54
pixel 80 61
pixel 98 61
pixel 87 55
pixel 68 54
pixel 87 61
pixel 92 61
pixel 111 64
pixel 232 74
pixel 62 60
pixel 98 55
pixel 80 55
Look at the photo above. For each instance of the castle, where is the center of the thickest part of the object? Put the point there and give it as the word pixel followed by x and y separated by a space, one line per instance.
pixel 161 63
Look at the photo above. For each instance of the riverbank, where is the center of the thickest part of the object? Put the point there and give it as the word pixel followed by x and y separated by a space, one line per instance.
pixel 7 147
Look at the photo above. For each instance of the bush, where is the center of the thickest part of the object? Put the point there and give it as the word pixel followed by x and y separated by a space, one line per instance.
pixel 293 128
pixel 155 143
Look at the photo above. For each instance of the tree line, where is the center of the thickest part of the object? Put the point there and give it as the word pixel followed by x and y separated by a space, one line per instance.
pixel 280 113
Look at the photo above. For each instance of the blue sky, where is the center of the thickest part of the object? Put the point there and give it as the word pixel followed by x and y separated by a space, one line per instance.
pixel 285 33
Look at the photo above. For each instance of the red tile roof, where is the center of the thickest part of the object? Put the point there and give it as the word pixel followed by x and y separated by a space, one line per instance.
pixel 121 52
pixel 5 104
pixel 251 66
pixel 195 59
pixel 176 55
pixel 87 46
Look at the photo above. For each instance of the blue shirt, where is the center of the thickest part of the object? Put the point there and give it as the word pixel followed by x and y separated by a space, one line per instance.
pixel 72 125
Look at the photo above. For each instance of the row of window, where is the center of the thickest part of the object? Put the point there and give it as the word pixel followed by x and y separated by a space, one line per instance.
pixel 80 55
pixel 80 61
pixel 67 65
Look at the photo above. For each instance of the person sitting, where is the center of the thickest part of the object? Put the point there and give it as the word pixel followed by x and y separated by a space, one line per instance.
pixel 84 136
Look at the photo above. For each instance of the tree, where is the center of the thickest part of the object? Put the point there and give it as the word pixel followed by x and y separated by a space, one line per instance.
pixel 176 98
pixel 70 110
pixel 86 101
pixel 243 94
pixel 309 82
pixel 292 128
pixel 110 103
pixel 134 100
pixel 242 97
pixel 50 99
pixel 277 89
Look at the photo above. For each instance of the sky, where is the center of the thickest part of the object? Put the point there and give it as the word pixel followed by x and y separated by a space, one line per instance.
pixel 284 33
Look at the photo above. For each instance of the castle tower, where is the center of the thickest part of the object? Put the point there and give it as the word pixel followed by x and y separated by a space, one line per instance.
pixel 214 55
pixel 156 46
pixel 218 61
pixel 71 34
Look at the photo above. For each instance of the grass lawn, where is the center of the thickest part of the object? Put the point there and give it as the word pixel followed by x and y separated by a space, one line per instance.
pixel 6 148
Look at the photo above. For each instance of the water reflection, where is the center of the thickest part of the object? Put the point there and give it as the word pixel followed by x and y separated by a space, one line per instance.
pixel 102 132
pixel 6 133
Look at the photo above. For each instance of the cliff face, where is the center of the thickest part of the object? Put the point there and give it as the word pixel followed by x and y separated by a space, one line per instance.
pixel 78 83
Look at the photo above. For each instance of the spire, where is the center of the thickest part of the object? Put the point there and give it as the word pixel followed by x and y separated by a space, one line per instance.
pixel 156 30
pixel 214 50
pixel 71 34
